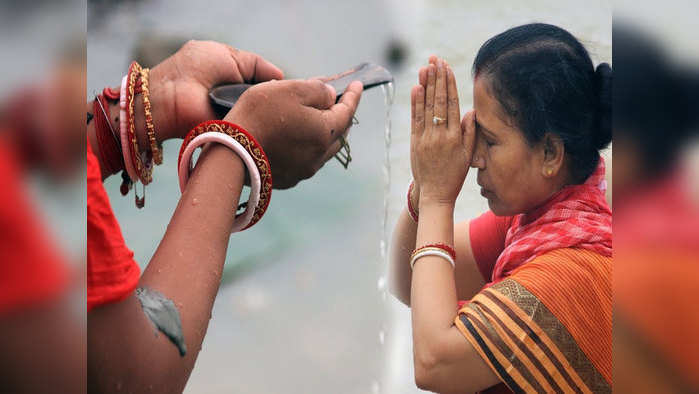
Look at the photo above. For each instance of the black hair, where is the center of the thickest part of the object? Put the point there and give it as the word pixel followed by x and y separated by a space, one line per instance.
pixel 655 100
pixel 545 81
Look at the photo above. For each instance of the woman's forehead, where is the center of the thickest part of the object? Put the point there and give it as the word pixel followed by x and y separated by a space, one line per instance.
pixel 489 112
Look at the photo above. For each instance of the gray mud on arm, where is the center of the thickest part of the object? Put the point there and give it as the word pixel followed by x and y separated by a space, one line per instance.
pixel 164 314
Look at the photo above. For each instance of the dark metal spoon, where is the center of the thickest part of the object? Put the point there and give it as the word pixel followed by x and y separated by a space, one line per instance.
pixel 370 74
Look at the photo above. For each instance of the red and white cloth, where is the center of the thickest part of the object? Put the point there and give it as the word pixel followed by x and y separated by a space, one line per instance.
pixel 578 216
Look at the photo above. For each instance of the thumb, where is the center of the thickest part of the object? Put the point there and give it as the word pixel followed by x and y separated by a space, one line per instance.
pixel 468 132
pixel 242 66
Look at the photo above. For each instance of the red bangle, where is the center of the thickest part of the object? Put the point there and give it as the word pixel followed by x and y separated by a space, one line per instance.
pixel 109 144
pixel 411 210
pixel 252 146
pixel 441 246
pixel 111 93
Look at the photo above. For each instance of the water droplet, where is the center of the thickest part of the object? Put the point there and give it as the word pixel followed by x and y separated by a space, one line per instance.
pixel 382 337
pixel 195 201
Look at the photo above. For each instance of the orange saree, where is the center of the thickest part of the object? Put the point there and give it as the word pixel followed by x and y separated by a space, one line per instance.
pixel 547 327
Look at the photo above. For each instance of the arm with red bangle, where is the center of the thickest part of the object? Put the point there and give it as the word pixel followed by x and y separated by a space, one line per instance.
pixel 468 278
pixel 187 265
pixel 186 268
pixel 179 88
pixel 444 361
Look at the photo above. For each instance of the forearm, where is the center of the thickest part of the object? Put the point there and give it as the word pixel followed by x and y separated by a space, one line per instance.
pixel 433 291
pixel 402 245
pixel 186 268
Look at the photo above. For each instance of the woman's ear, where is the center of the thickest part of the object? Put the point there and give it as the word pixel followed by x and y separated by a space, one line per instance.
pixel 553 154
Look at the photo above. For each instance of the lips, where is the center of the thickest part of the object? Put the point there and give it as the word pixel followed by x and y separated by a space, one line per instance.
pixel 484 192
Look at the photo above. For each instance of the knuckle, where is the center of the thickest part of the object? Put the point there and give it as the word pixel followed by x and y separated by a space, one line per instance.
pixel 190 44
pixel 316 84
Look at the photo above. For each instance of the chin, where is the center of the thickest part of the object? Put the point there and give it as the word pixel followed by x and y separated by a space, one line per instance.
pixel 498 209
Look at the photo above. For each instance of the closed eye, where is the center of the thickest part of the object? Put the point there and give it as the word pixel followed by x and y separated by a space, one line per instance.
pixel 484 133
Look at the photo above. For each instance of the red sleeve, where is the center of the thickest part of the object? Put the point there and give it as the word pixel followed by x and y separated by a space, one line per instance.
pixel 32 269
pixel 112 273
pixel 487 234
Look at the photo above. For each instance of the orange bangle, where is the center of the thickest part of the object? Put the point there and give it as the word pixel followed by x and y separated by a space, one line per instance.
pixel 143 165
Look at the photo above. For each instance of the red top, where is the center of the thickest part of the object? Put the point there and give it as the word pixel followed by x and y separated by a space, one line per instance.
pixel 32 269
pixel 487 234
pixel 577 216
pixel 112 273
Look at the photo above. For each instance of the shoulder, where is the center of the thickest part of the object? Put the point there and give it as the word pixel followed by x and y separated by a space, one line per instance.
pixel 565 271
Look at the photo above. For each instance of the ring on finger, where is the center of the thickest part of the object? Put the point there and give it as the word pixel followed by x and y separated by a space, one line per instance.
pixel 436 120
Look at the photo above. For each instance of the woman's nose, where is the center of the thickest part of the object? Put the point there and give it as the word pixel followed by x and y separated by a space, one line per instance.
pixel 478 158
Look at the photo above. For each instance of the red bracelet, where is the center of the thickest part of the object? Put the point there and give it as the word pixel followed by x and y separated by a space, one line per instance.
pixel 411 210
pixel 441 246
pixel 111 93
pixel 252 146
pixel 109 144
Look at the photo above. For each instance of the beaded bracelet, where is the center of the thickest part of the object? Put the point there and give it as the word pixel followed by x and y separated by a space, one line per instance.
pixel 155 150
pixel 142 162
pixel 437 249
pixel 185 167
pixel 411 210
pixel 250 145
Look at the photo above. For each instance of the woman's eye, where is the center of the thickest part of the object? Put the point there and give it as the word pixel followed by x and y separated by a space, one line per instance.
pixel 489 143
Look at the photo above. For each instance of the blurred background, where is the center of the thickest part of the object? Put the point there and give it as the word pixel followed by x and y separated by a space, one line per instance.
pixel 656 198
pixel 303 306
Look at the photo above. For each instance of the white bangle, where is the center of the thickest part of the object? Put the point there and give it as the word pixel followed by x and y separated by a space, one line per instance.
pixel 432 252
pixel 243 219
pixel 125 146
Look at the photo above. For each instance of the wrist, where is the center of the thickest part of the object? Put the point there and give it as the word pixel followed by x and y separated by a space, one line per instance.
pixel 217 156
pixel 255 129
pixel 415 195
pixel 163 111
pixel 428 207
pixel 434 201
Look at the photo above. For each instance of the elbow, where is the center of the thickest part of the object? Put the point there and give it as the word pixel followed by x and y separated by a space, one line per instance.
pixel 423 377
pixel 428 362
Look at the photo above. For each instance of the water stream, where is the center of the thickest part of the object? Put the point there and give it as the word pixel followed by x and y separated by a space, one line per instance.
pixel 388 91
